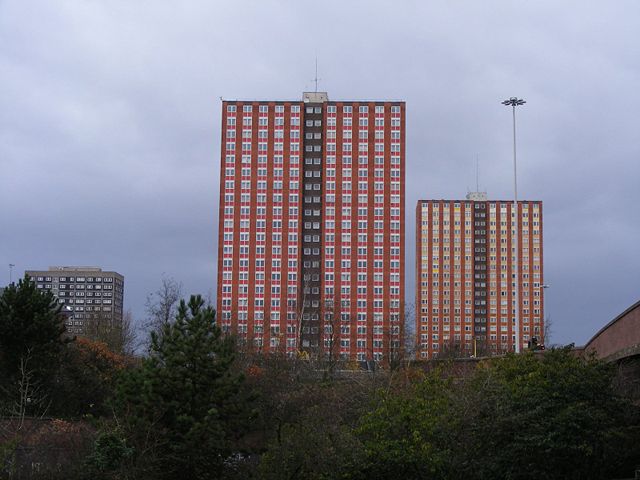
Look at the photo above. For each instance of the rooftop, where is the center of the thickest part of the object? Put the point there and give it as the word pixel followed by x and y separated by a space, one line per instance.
pixel 75 269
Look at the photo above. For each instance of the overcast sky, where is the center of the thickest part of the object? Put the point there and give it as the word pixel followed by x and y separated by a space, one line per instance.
pixel 110 125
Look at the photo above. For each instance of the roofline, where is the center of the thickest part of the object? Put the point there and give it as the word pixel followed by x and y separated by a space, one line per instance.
pixel 255 100
pixel 69 273
pixel 631 308
pixel 468 200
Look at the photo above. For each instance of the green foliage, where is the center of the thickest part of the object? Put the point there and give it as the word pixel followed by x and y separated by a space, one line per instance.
pixel 315 450
pixel 519 417
pixel 314 433
pixel 8 456
pixel 184 411
pixel 549 416
pixel 110 452
pixel 31 325
pixel 42 371
pixel 86 379
pixel 403 434
pixel 182 408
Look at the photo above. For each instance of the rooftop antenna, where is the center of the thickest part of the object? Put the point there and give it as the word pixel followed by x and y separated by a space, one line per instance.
pixel 316 78
pixel 477 174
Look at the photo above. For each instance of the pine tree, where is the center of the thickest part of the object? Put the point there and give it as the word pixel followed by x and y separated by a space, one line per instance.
pixel 31 327
pixel 182 407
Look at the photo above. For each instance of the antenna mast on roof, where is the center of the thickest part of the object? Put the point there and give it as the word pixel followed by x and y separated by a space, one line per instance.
pixel 477 174
pixel 316 78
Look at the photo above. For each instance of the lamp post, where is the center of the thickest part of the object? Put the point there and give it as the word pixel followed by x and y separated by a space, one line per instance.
pixel 513 102
pixel 11 265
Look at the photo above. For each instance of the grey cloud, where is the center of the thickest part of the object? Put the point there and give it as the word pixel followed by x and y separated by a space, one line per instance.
pixel 110 119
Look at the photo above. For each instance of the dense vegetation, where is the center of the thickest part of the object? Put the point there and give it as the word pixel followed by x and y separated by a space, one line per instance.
pixel 196 406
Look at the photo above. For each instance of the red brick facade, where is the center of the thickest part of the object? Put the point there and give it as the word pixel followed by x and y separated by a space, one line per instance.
pixel 311 237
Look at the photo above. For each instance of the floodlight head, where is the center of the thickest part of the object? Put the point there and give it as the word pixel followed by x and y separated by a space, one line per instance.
pixel 514 101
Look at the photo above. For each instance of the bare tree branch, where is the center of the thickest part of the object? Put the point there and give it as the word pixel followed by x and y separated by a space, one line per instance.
pixel 161 305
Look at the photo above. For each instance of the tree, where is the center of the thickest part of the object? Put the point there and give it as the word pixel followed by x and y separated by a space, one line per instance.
pixel 25 397
pixel 86 379
pixel 31 326
pixel 548 416
pixel 310 422
pixel 523 416
pixel 402 434
pixel 182 409
pixel 330 339
pixel 119 336
pixel 409 330
pixel 397 352
pixel 162 304
pixel 547 331
pixel 127 334
pixel 316 446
